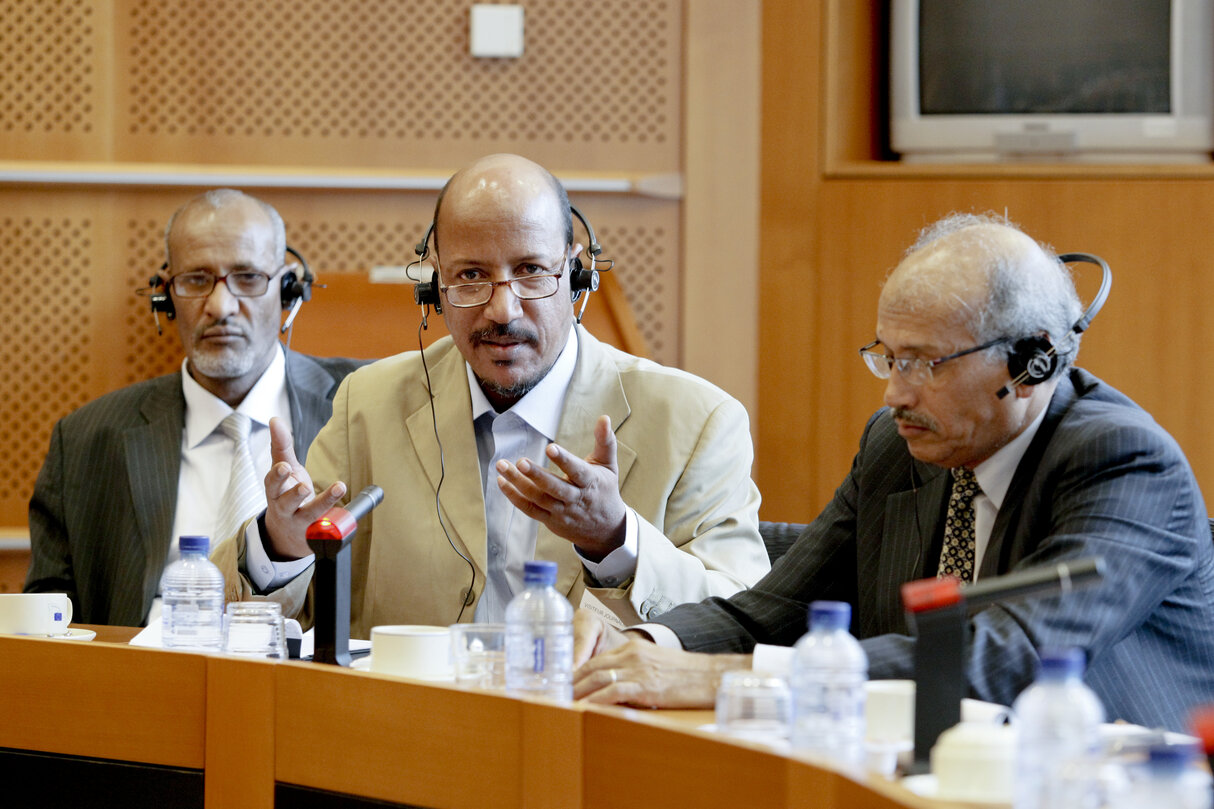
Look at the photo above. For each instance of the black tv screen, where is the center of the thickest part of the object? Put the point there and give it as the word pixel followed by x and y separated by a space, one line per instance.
pixel 1044 56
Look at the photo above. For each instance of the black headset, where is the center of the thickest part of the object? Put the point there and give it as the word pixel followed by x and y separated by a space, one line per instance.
pixel 427 293
pixel 295 291
pixel 1034 359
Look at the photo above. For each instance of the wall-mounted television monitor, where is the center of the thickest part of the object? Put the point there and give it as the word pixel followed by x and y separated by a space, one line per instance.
pixel 1082 80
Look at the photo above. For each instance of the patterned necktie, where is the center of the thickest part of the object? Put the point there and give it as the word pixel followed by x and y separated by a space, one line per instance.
pixel 957 556
pixel 245 496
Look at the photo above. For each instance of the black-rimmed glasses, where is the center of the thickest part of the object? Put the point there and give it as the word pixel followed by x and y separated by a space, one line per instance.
pixel 913 370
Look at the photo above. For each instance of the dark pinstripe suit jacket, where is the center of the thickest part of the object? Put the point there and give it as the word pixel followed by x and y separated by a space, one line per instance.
pixel 1099 478
pixel 102 512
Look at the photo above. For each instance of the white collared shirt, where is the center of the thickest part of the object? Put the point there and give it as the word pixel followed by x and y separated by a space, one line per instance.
pixel 995 476
pixel 206 453
pixel 523 431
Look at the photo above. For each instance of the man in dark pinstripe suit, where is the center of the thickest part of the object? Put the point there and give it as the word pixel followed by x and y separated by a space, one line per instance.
pixel 1067 466
pixel 129 472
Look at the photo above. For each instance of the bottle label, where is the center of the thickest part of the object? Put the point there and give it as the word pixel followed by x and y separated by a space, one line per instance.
pixel 537 655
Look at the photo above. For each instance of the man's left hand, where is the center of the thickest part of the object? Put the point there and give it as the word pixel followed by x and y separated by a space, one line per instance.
pixel 584 506
pixel 644 675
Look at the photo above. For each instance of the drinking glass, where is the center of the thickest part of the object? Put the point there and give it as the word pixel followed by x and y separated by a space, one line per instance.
pixel 254 629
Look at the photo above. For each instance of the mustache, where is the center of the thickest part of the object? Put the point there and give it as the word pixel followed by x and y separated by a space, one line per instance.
pixel 504 331
pixel 914 419
pixel 227 324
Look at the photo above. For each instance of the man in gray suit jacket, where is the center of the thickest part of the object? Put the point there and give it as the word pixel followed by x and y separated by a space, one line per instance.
pixel 129 472
pixel 1066 468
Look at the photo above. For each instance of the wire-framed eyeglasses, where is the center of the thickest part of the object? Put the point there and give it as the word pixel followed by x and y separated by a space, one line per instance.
pixel 913 370
pixel 530 287
pixel 200 284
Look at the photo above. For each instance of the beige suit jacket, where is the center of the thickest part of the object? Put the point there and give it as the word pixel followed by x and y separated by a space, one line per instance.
pixel 684 454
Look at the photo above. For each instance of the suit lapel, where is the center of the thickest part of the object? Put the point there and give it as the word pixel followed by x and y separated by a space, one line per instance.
pixel 463 501
pixel 153 461
pixel 594 390
pixel 309 390
pixel 911 518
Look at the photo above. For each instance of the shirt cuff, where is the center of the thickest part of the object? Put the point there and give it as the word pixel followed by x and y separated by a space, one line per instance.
pixel 620 565
pixel 772 659
pixel 662 635
pixel 266 574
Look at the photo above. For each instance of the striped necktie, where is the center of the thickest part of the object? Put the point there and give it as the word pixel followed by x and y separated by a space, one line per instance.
pixel 245 496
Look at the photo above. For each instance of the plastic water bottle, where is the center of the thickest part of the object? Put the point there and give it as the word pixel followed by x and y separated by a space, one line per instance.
pixel 1170 778
pixel 828 675
pixel 192 593
pixel 539 637
pixel 1057 756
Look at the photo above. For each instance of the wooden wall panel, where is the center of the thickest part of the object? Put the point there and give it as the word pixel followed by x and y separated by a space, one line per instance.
pixel 855 214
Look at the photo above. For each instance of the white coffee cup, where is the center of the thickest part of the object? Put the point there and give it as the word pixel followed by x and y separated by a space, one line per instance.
pixel 35 613
pixel 973 761
pixel 889 710
pixel 420 652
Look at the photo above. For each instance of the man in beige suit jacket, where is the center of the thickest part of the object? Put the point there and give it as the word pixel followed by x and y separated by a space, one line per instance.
pixel 645 498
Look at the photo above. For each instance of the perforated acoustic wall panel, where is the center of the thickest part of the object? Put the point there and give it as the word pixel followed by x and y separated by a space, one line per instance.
pixel 45 270
pixel 300 85
pixel 54 79
pixel 389 83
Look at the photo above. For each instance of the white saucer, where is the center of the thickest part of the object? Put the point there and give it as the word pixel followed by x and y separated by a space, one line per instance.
pixel 77 634
pixel 69 634
pixel 926 786
pixel 364 664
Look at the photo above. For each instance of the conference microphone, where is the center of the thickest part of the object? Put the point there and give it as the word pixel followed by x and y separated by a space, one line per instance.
pixel 939 608
pixel 340 522
pixel 1058 579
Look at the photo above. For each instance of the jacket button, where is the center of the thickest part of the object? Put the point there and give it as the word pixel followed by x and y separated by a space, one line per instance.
pixel 467 596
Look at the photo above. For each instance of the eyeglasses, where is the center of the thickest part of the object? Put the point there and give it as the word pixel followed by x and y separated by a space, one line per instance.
pixel 527 288
pixel 913 370
pixel 199 284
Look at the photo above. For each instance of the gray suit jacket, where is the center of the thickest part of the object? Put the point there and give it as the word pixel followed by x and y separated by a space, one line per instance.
pixel 1099 478
pixel 102 511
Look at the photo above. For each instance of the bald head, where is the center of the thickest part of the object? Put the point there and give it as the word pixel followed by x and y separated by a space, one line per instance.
pixel 986 275
pixel 503 185
pixel 229 199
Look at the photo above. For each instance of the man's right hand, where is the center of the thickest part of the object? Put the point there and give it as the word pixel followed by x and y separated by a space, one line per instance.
pixel 291 502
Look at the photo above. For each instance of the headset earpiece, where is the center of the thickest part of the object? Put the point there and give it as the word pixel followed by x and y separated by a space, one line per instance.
pixel 1033 360
pixel 161 300
pixel 425 293
pixel 297 287
pixel 581 279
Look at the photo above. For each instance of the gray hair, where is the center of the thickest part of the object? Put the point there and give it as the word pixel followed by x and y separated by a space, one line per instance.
pixel 218 198
pixel 1027 292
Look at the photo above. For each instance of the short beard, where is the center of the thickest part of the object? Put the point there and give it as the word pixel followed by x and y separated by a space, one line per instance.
pixel 512 393
pixel 223 365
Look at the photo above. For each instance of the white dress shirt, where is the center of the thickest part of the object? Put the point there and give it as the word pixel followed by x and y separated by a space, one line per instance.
pixel 524 431
pixel 206 453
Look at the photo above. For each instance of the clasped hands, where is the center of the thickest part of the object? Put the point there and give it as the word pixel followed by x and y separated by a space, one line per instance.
pixel 581 504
